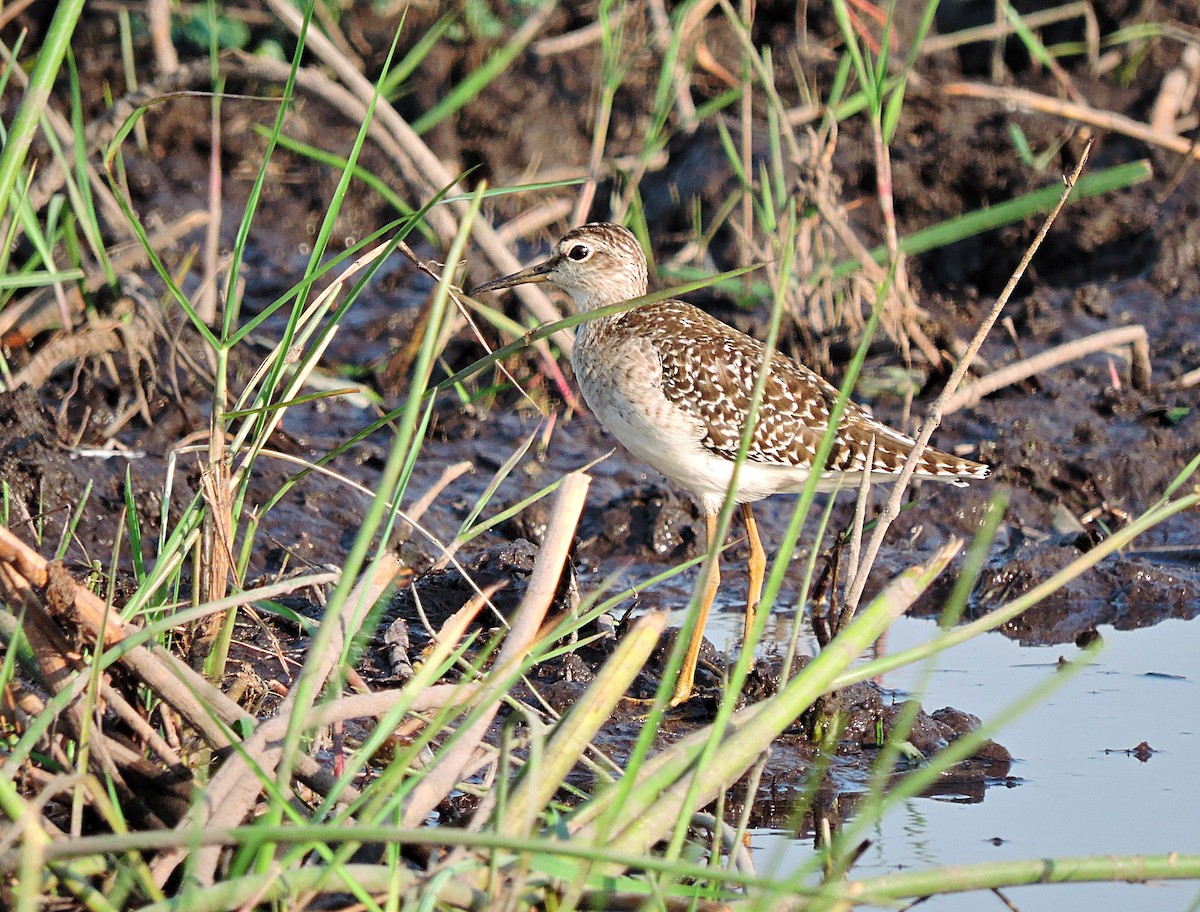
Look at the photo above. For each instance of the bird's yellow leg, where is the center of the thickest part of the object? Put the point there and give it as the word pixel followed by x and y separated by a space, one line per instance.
pixel 687 674
pixel 757 566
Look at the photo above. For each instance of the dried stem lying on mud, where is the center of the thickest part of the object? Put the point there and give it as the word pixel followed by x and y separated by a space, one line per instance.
pixel 1133 336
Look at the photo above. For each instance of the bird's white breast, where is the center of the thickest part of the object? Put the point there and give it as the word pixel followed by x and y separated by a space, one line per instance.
pixel 621 381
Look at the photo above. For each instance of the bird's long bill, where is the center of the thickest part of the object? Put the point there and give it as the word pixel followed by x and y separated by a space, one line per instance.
pixel 536 273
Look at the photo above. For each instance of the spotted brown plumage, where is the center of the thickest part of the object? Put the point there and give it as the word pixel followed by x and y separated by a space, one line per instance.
pixel 674 385
pixel 709 370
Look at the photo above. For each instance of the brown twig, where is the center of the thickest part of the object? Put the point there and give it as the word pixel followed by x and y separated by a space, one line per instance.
pixel 13 10
pixel 203 706
pixel 581 37
pixel 59 663
pixel 158 16
pixel 1185 381
pixel 263 746
pixel 1176 92
pixel 533 221
pixel 936 44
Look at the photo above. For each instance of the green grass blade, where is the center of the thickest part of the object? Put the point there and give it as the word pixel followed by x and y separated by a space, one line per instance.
pixel 1011 211
pixel 391 85
pixel 41 82
pixel 477 81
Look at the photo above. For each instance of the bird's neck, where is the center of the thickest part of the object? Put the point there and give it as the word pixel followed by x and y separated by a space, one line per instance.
pixel 614 293
pixel 590 331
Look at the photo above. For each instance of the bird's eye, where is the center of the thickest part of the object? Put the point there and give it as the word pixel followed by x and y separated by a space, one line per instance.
pixel 579 252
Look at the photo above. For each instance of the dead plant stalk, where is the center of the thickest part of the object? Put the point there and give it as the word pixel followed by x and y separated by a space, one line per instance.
pixel 892 509
pixel 564 516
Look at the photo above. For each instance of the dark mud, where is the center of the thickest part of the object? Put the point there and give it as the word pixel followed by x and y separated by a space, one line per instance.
pixel 1079 448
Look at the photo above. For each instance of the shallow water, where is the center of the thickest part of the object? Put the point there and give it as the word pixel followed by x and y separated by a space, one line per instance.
pixel 1077 790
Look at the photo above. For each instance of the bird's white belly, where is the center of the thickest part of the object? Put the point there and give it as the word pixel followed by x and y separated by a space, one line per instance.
pixel 673 448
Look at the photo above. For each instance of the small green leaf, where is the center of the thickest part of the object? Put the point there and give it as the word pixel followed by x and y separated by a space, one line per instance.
pixel 202 27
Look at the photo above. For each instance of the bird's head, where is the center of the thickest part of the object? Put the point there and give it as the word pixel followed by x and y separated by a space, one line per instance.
pixel 597 264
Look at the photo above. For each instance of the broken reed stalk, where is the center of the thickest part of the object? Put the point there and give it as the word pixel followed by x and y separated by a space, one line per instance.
pixel 892 509
pixel 564 517
pixel 573 735
pixel 208 711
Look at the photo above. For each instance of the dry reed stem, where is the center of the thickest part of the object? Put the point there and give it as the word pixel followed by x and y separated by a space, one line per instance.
pixel 38 311
pixel 587 192
pixel 935 44
pixel 58 658
pixel 1185 381
pixel 574 733
pixel 651 818
pixel 417 163
pixel 236 786
pixel 443 223
pixel 745 24
pixel 100 336
pixel 201 705
pixel 331 30
pixel 12 10
pixel 825 198
pixel 1176 92
pixel 1133 336
pixel 89 608
pixel 158 21
pixel 139 726
pixel 357 706
pixel 58 664
pixel 617 164
pixel 217 562
pixel 457 296
pixel 560 530
pixel 425 170
pixel 1105 120
pixel 860 521
pixel 533 221
pixel 49 647
pixel 580 38
pixel 425 501
pixel 130 256
pixel 340 100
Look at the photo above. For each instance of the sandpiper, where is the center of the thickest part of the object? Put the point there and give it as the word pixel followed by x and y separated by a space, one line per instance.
pixel 674 385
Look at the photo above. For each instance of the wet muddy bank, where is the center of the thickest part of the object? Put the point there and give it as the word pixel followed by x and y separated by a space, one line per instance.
pixel 1079 448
